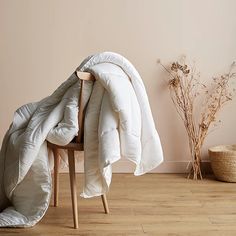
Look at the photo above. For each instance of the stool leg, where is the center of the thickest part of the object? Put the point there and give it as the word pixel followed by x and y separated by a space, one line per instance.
pixel 105 204
pixel 71 160
pixel 56 175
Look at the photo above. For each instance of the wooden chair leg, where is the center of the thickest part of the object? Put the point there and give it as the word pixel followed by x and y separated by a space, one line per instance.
pixel 105 204
pixel 56 175
pixel 71 160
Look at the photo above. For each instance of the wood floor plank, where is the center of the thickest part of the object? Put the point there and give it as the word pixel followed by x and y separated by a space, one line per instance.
pixel 152 204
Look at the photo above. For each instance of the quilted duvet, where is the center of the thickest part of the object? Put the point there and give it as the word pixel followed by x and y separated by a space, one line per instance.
pixel 118 123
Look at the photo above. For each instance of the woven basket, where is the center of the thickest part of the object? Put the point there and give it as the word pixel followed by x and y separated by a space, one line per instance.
pixel 223 162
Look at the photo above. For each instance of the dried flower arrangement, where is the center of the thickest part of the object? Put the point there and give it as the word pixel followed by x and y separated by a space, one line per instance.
pixel 185 86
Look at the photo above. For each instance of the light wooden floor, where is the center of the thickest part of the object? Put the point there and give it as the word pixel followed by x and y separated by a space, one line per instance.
pixel 153 204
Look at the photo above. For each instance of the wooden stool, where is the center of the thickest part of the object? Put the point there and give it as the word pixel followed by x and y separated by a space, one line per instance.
pixel 76 145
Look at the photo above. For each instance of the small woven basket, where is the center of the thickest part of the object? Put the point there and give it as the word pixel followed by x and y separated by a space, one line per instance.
pixel 223 162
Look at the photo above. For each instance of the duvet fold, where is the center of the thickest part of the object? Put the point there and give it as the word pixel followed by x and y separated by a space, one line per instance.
pixel 118 123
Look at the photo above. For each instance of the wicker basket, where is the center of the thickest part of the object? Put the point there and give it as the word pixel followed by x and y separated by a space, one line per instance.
pixel 223 162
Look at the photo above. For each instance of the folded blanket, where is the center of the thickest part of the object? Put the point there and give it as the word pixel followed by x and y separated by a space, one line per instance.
pixel 118 122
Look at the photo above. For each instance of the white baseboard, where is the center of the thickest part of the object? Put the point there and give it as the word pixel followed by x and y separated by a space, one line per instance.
pixel 125 166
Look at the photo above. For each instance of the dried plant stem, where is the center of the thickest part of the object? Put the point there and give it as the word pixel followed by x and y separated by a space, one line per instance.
pixel 185 87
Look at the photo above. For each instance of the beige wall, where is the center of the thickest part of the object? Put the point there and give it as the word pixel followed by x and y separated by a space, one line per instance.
pixel 43 41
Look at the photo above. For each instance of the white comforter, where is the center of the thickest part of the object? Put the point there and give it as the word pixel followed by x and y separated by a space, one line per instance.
pixel 118 123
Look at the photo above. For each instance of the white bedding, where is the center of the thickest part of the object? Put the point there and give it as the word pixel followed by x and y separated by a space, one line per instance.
pixel 118 123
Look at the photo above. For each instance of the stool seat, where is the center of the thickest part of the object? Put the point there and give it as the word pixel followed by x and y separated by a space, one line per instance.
pixel 73 145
